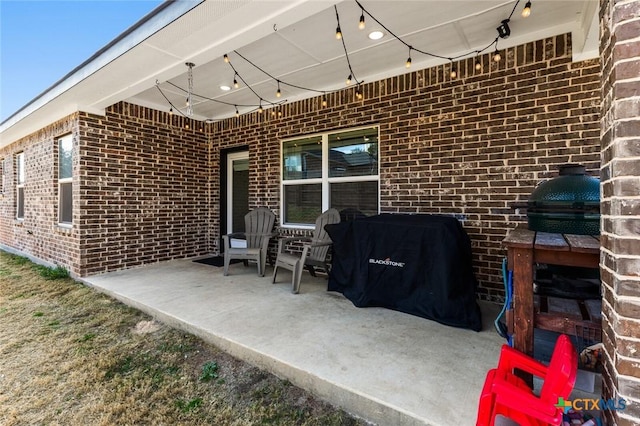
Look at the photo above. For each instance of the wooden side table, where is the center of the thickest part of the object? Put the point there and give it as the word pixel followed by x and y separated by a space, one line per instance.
pixel 526 248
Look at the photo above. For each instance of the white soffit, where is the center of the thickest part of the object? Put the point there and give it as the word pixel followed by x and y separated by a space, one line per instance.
pixel 292 40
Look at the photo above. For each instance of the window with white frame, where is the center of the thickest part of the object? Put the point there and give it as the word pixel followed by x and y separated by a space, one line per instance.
pixel 20 179
pixel 65 180
pixel 329 170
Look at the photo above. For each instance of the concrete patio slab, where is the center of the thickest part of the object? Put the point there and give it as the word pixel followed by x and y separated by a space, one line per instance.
pixel 385 366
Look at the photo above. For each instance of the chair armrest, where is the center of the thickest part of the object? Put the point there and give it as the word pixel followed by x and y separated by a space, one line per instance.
pixel 235 235
pixel 511 358
pixel 510 395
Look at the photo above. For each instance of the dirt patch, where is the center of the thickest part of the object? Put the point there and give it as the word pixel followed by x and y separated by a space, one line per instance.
pixel 146 327
pixel 70 355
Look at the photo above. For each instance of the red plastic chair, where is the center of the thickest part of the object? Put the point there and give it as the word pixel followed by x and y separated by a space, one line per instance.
pixel 508 395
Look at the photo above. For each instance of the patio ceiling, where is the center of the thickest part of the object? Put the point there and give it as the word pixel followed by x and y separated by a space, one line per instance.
pixel 291 41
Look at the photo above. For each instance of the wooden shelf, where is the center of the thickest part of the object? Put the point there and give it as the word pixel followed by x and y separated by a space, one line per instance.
pixel 567 316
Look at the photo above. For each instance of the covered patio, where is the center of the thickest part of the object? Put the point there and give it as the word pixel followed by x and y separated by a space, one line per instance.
pixel 388 367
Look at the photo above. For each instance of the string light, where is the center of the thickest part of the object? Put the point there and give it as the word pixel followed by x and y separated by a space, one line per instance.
pixel 237 112
pixel 503 32
pixel 361 24
pixel 344 47
pixel 171 111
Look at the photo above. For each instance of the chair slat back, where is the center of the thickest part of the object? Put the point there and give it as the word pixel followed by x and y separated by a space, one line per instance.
pixel 331 216
pixel 258 223
pixel 561 375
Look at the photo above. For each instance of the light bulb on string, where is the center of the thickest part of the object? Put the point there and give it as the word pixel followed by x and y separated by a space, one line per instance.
pixel 349 80
pixel 478 65
pixel 278 93
pixel 361 24
pixel 226 58
pixel 408 63
pixel 527 10
pixel 171 111
pixel 235 81
pixel 324 102
pixel 496 56
pixel 260 109
pixel 338 33
pixel 237 112
pixel 454 72
pixel 358 93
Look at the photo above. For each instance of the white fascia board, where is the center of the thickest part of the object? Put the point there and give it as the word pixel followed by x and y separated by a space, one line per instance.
pixel 19 124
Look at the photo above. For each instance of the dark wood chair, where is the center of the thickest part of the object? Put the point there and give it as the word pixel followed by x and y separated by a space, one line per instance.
pixel 314 251
pixel 258 231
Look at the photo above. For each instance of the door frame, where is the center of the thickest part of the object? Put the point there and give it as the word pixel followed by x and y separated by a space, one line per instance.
pixel 225 156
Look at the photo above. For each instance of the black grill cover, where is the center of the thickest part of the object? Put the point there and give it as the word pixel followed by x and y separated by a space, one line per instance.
pixel 418 264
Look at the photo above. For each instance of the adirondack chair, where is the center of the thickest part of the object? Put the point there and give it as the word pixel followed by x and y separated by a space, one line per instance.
pixel 506 395
pixel 314 251
pixel 258 231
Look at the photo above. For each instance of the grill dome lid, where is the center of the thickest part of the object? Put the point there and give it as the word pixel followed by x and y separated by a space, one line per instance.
pixel 568 204
pixel 573 188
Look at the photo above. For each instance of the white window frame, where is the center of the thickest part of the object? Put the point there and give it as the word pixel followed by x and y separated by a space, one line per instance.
pixel 325 180
pixel 20 180
pixel 64 181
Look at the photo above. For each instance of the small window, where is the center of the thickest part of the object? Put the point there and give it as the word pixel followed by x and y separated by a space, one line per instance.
pixel 3 170
pixel 20 179
pixel 65 180
pixel 332 170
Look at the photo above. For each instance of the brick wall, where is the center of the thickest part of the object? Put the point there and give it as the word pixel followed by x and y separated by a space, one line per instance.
pixel 39 235
pixel 469 146
pixel 149 188
pixel 144 188
pixel 620 255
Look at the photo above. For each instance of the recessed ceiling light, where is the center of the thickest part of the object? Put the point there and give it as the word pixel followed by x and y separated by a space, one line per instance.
pixel 376 35
pixel 225 88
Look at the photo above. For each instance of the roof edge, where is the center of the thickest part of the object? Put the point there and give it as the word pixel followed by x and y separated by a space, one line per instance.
pixel 154 21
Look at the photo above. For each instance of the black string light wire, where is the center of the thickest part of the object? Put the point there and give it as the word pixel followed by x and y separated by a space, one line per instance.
pixel 503 32
pixel 352 75
pixel 476 52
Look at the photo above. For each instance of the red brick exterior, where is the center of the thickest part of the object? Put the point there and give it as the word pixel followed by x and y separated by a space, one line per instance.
pixel 470 146
pixel 620 255
pixel 38 235
pixel 149 190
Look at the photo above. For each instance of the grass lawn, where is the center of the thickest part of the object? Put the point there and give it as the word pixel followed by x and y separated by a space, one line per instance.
pixel 72 356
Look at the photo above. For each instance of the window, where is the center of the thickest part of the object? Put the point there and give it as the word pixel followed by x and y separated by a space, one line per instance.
pixel 3 170
pixel 20 178
pixel 65 179
pixel 338 169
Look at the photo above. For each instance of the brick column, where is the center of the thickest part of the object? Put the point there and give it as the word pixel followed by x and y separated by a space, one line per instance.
pixel 620 205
